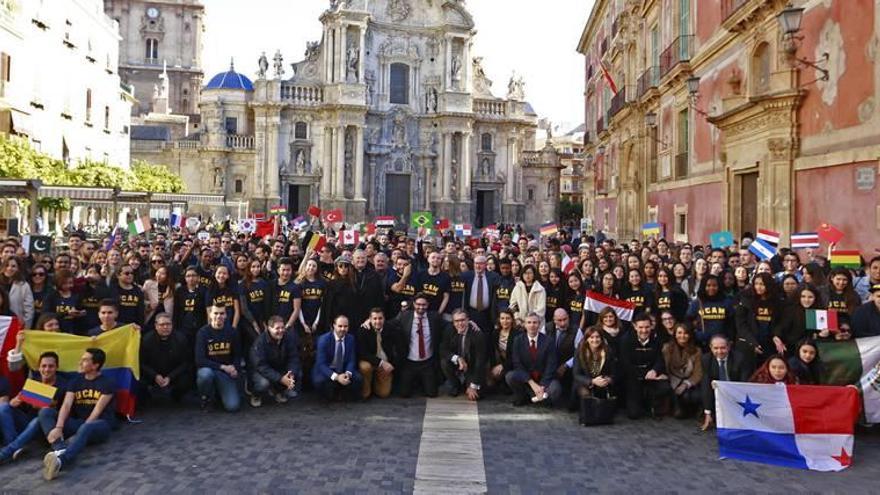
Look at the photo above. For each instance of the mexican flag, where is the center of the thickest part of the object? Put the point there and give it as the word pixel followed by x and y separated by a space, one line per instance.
pixel 821 319
pixel 855 362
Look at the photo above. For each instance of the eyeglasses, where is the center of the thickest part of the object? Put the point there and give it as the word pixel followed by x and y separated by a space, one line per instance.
pixel 127 273
pixel 158 261
pixel 38 274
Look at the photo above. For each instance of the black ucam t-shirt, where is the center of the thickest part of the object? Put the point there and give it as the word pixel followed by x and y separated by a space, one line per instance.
pixel 87 393
pixel 433 286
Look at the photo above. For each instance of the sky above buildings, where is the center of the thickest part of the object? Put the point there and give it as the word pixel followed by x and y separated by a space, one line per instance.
pixel 535 38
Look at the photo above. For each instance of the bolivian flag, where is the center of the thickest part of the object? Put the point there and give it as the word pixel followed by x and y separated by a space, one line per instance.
pixel 846 259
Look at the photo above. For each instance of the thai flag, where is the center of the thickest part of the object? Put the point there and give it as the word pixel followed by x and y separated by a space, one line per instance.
pixel 177 220
pixel 762 249
pixel 769 236
pixel 799 426
pixel 803 240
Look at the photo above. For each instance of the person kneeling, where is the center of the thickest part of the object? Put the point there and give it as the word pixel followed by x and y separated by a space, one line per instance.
pixel 275 364
pixel 377 348
pixel 647 384
pixel 463 357
pixel 533 366
pixel 335 374
pixel 217 359
pixel 87 413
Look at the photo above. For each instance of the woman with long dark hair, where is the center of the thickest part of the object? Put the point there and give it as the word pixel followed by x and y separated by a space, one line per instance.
pixel 711 312
pixel 223 293
pixel 501 339
pixel 452 266
pixel 668 296
pixel 636 292
pixel 556 292
pixel 39 288
pixel 684 367
pixel 253 292
pixel 757 316
pixel 65 303
pixel 792 327
pixel 595 367
pixel 575 294
pixel 774 370
pixel 839 295
pixel 21 299
pixel 339 294
pixel 528 295
pixel 805 364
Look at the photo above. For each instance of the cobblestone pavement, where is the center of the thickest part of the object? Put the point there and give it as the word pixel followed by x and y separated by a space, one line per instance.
pixel 311 447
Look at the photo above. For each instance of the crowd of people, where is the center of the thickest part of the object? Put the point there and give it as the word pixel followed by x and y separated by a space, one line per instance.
pixel 235 319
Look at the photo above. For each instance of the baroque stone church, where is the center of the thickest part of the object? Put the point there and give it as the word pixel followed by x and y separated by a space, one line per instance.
pixel 388 114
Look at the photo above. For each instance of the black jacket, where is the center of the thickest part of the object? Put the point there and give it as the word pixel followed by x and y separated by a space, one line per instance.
pixel 404 323
pixel 273 359
pixel 369 294
pixel 367 348
pixel 737 371
pixel 171 357
pixel 637 358
pixel 474 352
pixel 581 375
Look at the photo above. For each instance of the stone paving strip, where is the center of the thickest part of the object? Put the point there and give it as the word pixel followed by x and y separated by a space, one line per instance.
pixel 451 449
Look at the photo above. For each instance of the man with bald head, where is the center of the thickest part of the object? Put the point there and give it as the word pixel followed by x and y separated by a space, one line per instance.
pixel 479 293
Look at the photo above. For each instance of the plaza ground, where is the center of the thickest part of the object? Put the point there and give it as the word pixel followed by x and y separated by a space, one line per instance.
pixel 373 447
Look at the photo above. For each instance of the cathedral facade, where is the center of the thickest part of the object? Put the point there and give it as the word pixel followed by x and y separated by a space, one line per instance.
pixel 388 114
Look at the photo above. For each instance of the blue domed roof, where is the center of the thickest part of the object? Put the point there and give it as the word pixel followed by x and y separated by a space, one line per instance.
pixel 230 80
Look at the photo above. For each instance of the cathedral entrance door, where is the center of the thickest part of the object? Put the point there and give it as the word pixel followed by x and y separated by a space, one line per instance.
pixel 298 199
pixel 748 221
pixel 485 208
pixel 397 197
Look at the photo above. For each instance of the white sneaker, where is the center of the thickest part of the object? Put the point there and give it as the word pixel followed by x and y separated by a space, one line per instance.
pixel 51 465
pixel 256 401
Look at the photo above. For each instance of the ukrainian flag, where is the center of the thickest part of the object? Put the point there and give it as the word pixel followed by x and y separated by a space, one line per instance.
pixel 653 228
pixel 121 345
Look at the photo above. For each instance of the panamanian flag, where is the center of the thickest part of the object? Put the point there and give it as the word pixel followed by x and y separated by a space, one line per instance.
pixel 799 426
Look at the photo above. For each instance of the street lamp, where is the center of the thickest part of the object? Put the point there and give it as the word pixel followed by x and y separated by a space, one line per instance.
pixel 651 119
pixel 790 19
pixel 693 84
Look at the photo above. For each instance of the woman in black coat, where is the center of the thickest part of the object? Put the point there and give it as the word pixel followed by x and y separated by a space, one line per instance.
pixel 757 315
pixel 500 340
pixel 339 294
pixel 595 368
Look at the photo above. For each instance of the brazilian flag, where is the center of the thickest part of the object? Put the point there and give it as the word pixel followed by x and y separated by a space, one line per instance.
pixel 422 219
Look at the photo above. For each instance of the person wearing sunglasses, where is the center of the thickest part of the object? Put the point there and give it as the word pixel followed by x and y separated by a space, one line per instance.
pixel 129 297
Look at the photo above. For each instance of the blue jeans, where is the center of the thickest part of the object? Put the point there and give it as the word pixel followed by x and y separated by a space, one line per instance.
pixel 12 421
pixel 83 433
pixel 210 381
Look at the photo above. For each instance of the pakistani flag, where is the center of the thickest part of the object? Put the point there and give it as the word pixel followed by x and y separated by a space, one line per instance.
pixel 855 362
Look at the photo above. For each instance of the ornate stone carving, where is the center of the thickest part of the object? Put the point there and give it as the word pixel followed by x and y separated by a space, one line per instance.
pixel 456 70
pixel 348 173
pixel 353 58
pixel 398 10
pixel 398 134
pixel 263 64
pixel 482 83
pixel 312 48
pixel 279 64
pixel 516 88
pixel 780 148
pixel 431 100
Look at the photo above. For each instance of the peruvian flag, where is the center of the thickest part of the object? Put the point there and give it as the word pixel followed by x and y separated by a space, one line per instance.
pixel 596 302
pixel 9 328
pixel 568 264
pixel 350 237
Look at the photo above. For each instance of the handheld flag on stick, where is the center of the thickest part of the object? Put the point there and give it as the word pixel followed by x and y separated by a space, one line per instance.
pixel 821 319
pixel 596 302
pixel 846 259
pixel 385 221
pixel 829 233
pixel 549 229
pixel 652 228
pixel 422 219
pixel 769 235
pixel 721 240
pixel 333 216
pixel 762 249
pixel 277 210
pixel 140 225
pixel 177 220
pixel 37 394
pixel 314 211
pixel 804 240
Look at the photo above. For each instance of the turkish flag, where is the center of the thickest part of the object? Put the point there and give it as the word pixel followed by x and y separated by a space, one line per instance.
pixel 264 228
pixel 333 216
pixel 830 233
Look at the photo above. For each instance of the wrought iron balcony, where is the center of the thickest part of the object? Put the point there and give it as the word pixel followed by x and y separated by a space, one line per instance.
pixel 648 80
pixel 679 51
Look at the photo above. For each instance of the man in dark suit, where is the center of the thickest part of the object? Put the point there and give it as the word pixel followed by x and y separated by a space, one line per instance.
pixel 463 357
pixel 420 333
pixel 533 366
pixel 563 334
pixel 377 349
pixel 644 370
pixel 335 374
pixel 479 293
pixel 722 364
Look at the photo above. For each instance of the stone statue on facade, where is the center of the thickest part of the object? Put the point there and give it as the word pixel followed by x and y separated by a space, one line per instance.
pixel 312 50
pixel 218 178
pixel 398 136
pixel 398 10
pixel 300 162
pixel 516 88
pixel 453 178
pixel 353 61
pixel 431 100
pixel 279 64
pixel 263 64
pixel 485 168
pixel 456 69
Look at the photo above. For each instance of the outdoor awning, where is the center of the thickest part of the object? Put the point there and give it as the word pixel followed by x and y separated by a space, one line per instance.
pixel 77 193
pixel 21 123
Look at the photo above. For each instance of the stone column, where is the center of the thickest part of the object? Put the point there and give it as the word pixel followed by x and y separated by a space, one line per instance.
pixel 272 161
pixel 446 165
pixel 339 162
pixel 327 165
pixel 465 160
pixel 359 163
pixel 511 168
pixel 448 77
pixel 343 50
pixel 361 62
pixel 466 66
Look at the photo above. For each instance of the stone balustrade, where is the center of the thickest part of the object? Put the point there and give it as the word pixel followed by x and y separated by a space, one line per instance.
pixel 240 141
pixel 302 95
pixel 491 108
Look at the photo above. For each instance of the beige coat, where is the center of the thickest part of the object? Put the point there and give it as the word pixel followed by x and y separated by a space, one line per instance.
pixel 532 302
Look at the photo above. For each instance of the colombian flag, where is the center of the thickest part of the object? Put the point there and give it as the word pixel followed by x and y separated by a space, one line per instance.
pixel 121 345
pixel 38 394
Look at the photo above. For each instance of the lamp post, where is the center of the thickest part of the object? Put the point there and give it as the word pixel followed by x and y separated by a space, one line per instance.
pixel 790 19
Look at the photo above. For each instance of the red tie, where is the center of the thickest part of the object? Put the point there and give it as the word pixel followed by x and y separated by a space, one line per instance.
pixel 420 331
pixel 533 352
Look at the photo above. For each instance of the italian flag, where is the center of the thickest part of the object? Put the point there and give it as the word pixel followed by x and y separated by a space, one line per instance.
pixel 855 362
pixel 821 319
pixel 596 302
pixel 140 225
